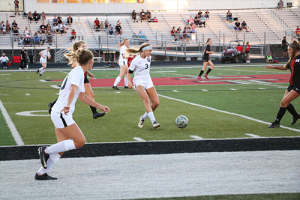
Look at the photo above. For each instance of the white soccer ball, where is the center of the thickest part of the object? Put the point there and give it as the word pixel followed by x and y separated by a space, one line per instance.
pixel 182 121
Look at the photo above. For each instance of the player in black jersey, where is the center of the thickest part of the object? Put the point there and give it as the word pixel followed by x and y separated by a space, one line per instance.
pixel 206 60
pixel 293 91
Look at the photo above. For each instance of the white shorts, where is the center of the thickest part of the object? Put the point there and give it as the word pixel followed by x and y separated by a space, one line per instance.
pixel 123 62
pixel 61 120
pixel 43 60
pixel 146 84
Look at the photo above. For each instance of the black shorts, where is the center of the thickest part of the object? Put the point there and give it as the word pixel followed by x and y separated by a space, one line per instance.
pixel 86 80
pixel 247 51
pixel 206 59
pixel 292 87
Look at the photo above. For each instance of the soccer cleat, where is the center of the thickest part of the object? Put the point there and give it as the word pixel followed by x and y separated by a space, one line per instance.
pixel 115 87
pixel 141 122
pixel 206 76
pixel 44 177
pixel 295 119
pixel 38 71
pixel 41 74
pixel 43 156
pixel 274 125
pixel 199 78
pixel 97 115
pixel 125 87
pixel 156 125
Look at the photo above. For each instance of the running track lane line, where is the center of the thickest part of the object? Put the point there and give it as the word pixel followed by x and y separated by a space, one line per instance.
pixel 230 113
pixel 11 125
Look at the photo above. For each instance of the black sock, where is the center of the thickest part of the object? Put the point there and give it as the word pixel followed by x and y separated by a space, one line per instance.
pixel 292 110
pixel 209 70
pixel 201 72
pixel 94 110
pixel 280 114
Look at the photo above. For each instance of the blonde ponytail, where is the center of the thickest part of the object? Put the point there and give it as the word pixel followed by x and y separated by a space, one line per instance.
pixel 133 51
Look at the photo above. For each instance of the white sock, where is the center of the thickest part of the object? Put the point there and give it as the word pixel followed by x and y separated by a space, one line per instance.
pixel 151 116
pixel 41 68
pixel 145 116
pixel 62 146
pixel 117 81
pixel 42 71
pixel 50 162
pixel 126 81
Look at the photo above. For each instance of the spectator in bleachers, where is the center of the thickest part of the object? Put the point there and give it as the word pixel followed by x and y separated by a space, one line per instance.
pixel 59 19
pixel 101 25
pixel 284 47
pixel 193 28
pixel 21 39
pixel 244 26
pixel 298 31
pixel 42 28
pixel 178 33
pixel 119 22
pixel 26 31
pixel 97 23
pixel 55 20
pixel 142 35
pixel 36 38
pixel 206 14
pixel 197 20
pixel 173 33
pixel 281 4
pixel 42 39
pixel 148 15
pixel 4 61
pixel 49 37
pixel 118 29
pixel 7 25
pixel 143 15
pixel 17 7
pixel 48 28
pixel 62 28
pixel 15 31
pixel 2 27
pixel 184 34
pixel 30 17
pixel 110 29
pixel 202 21
pixel 14 24
pixel 27 39
pixel 190 20
pixel 36 16
pixel 237 26
pixel 69 19
pixel 43 16
pixel 55 29
pixel 73 35
pixel 229 16
pixel 106 24
pixel 133 14
pixel 200 12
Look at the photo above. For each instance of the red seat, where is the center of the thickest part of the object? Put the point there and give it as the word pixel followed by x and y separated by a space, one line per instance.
pixel 16 59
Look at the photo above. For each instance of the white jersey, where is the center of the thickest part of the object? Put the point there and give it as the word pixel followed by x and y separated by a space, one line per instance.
pixel 141 68
pixel 44 53
pixel 123 61
pixel 75 77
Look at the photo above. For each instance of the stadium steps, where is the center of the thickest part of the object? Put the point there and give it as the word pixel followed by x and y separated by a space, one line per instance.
pixel 289 18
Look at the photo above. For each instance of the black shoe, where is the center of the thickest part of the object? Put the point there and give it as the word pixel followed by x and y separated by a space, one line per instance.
pixel 41 74
pixel 43 156
pixel 97 115
pixel 38 71
pixel 125 87
pixel 115 87
pixel 274 125
pixel 44 177
pixel 50 105
pixel 295 119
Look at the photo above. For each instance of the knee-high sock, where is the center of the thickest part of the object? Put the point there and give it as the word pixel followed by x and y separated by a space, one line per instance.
pixel 292 110
pixel 201 72
pixel 117 81
pixel 280 114
pixel 42 71
pixel 126 81
pixel 145 116
pixel 94 110
pixel 54 158
pixel 209 70
pixel 62 146
pixel 41 68
pixel 151 116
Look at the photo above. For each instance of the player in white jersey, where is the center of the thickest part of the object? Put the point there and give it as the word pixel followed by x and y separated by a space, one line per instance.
pixel 43 60
pixel 123 62
pixel 143 84
pixel 68 134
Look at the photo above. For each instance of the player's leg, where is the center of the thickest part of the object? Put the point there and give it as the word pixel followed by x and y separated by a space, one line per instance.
pixel 123 69
pixel 209 69
pixel 89 93
pixel 126 80
pixel 203 69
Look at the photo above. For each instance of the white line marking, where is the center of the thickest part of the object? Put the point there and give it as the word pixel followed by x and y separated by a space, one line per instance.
pixel 261 88
pixel 27 94
pixel 139 139
pixel 43 81
pixel 204 90
pixel 3 94
pixel 232 89
pixel 175 91
pixel 252 135
pixel 230 113
pixel 29 113
pixel 55 86
pixel 5 74
pixel 118 92
pixel 11 125
pixel 196 137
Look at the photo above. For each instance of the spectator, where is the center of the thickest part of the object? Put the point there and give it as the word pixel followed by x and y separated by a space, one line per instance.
pixel 178 33
pixel 36 38
pixel 229 16
pixel 143 15
pixel 173 33
pixel 23 59
pixel 36 16
pixel 247 52
pixel 148 15
pixel 55 29
pixel 119 29
pixel 59 18
pixel 284 47
pixel 200 12
pixel 96 24
pixel 240 48
pixel 197 20
pixel 110 30
pixel 55 20
pixel 133 14
pixel 49 37
pixel 43 16
pixel 42 39
pixel 281 4
pixel 101 25
pixel 244 26
pixel 27 39
pixel 190 20
pixel 69 19
pixel 142 35
pixel 48 28
pixel 184 34
pixel 298 31
pixel 119 22
pixel 206 14
pixel 21 41
pixel 106 24
pixel 26 31
pixel 73 35
pixel 269 58
pixel 193 27
pixel 7 25
pixel 42 28
pixel 62 28
pixel 4 61
pixel 202 21
pixel 17 7
pixel 14 24
pixel 237 26
pixel 15 32
pixel 30 17
pixel 3 28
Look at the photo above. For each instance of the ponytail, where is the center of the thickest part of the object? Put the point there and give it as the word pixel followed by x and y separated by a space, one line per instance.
pixel 134 51
pixel 81 56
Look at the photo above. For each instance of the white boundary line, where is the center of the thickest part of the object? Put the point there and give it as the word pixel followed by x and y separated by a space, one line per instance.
pixel 139 139
pixel 11 125
pixel 230 113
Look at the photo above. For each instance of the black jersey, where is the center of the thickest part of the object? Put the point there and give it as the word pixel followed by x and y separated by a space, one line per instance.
pixel 206 55
pixel 294 67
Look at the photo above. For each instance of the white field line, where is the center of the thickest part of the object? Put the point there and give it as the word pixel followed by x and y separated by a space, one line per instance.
pixel 252 135
pixel 139 139
pixel 11 125
pixel 55 86
pixel 230 113
pixel 196 137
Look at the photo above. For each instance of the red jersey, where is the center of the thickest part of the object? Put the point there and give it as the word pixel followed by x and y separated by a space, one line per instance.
pixel 298 31
pixel 130 60
pixel 248 47
pixel 239 48
pixel 73 33
pixel 294 67
pixel 97 22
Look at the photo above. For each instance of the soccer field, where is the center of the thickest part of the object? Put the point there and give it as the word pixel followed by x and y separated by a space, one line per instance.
pixel 236 102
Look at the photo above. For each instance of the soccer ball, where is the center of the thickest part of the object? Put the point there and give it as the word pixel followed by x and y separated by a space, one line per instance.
pixel 182 121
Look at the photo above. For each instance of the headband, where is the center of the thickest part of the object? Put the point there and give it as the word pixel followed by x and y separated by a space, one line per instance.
pixel 147 48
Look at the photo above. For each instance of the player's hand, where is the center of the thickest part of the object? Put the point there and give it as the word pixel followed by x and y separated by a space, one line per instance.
pixel 130 84
pixel 269 67
pixel 91 75
pixel 66 109
pixel 105 109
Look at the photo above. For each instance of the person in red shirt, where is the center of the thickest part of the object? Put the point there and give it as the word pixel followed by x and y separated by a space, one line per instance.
pixel 240 48
pixel 247 52
pixel 298 31
pixel 73 35
pixel 97 24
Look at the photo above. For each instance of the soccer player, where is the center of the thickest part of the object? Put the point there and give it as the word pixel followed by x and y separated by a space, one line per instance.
pixel 206 60
pixel 247 52
pixel 293 90
pixel 68 134
pixel 43 60
pixel 143 83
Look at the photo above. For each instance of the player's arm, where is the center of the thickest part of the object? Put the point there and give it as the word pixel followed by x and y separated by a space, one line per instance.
pixel 87 100
pixel 90 74
pixel 72 93
pixel 41 55
pixel 276 67
pixel 210 52
pixel 129 78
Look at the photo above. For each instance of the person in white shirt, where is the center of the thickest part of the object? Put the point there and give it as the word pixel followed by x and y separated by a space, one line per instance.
pixel 55 28
pixel 69 135
pixel 4 61
pixel 123 63
pixel 62 28
pixel 143 83
pixel 44 55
